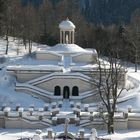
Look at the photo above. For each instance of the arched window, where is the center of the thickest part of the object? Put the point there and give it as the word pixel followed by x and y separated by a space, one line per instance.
pixel 75 91
pixel 57 91
pixel 66 92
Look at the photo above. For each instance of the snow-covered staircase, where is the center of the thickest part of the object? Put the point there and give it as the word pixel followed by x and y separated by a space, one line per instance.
pixel 33 89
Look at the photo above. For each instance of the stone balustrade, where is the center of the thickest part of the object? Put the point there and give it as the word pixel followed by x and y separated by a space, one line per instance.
pixel 129 118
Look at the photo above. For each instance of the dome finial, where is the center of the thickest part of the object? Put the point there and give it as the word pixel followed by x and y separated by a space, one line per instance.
pixel 67 19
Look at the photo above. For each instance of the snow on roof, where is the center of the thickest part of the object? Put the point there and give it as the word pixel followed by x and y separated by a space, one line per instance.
pixel 67 48
pixel 91 50
pixel 34 67
pixel 42 47
pixel 44 51
pixel 66 25
pixel 85 67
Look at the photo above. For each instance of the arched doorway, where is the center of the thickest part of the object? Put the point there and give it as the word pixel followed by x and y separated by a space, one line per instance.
pixel 57 91
pixel 75 91
pixel 66 92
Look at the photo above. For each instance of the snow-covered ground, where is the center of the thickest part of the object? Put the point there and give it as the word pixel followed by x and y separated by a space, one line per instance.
pixel 10 97
pixel 14 134
pixel 132 134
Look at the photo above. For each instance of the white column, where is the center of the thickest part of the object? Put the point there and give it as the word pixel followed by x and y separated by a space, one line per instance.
pixel 63 37
pixel 69 37
pixel 60 36
pixel 70 34
pixel 72 37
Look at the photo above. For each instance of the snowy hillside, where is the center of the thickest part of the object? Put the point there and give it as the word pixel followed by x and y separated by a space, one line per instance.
pixel 9 97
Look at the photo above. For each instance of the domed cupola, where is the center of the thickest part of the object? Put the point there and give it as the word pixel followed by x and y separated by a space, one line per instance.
pixel 67 29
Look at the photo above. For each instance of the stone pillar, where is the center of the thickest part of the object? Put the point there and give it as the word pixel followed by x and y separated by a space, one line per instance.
pixel 78 105
pixel 17 107
pixel 54 120
pixel 6 111
pixel 20 110
pixel 31 110
pixel 54 104
pixel 72 37
pixel 125 115
pixel 46 107
pixel 71 104
pixel 77 121
pixel 60 104
pixel 38 131
pixel 60 36
pixel 3 106
pixel 129 108
pixel 50 133
pixel 91 117
pixel 69 37
pixel 81 133
pixel 86 106
pixel 63 37
pixel 41 116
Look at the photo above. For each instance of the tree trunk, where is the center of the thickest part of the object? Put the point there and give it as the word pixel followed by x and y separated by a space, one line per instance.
pixel 25 43
pixel 136 67
pixel 7 45
pixel 110 125
pixel 30 46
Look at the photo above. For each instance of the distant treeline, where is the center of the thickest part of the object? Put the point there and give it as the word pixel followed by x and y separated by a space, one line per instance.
pixel 30 22
pixel 100 11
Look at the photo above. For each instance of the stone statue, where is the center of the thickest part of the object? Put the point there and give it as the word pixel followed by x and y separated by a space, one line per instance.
pixel 93 134
pixel 67 120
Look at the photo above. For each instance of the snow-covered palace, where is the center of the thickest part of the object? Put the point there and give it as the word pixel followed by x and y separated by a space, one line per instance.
pixel 60 72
